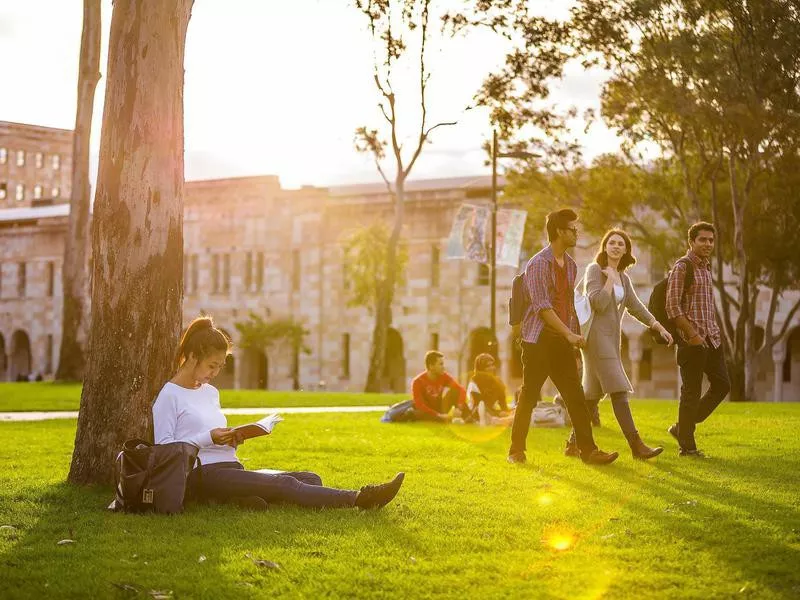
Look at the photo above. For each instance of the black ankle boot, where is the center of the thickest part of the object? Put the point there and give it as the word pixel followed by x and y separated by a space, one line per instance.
pixel 641 450
pixel 377 496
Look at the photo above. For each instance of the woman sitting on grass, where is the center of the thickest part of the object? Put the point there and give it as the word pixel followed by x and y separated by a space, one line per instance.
pixel 486 394
pixel 188 410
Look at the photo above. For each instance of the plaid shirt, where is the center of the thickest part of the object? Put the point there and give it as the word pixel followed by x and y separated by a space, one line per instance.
pixel 697 305
pixel 540 278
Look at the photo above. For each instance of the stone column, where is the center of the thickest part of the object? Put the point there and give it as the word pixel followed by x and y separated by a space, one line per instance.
pixel 778 356
pixel 239 361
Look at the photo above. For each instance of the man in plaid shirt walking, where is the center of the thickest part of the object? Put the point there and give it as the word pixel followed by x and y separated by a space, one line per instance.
pixel 550 337
pixel 700 345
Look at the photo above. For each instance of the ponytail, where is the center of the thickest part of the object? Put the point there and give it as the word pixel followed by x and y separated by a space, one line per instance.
pixel 200 339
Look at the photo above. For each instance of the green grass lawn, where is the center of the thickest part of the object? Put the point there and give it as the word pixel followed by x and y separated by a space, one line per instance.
pixel 465 525
pixel 59 396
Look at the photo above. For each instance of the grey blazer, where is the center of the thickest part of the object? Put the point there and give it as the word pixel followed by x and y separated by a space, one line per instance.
pixel 603 372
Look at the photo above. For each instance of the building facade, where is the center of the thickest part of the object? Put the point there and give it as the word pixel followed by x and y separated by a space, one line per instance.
pixel 251 246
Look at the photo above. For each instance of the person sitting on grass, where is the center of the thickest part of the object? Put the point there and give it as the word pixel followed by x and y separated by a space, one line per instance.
pixel 435 392
pixel 187 409
pixel 486 394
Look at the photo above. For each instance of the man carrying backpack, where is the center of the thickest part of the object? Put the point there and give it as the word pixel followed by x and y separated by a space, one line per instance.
pixel 692 309
pixel 550 335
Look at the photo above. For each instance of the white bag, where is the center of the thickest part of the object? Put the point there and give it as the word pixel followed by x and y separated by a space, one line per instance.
pixel 583 308
pixel 548 414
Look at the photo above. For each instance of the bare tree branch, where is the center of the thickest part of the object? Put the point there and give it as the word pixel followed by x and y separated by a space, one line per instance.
pixel 788 322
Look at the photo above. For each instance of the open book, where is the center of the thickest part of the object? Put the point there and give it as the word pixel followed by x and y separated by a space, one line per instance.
pixel 262 427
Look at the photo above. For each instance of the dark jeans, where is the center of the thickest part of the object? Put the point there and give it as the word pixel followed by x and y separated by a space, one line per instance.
pixel 694 361
pixel 229 480
pixel 552 356
pixel 441 405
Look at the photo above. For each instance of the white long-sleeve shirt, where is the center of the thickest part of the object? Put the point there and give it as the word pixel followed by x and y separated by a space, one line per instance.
pixel 184 415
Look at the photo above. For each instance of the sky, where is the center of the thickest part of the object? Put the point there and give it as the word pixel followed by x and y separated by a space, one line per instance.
pixel 276 87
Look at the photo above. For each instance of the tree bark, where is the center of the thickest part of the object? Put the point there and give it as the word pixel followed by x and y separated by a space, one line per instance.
pixel 383 309
pixel 137 237
pixel 76 249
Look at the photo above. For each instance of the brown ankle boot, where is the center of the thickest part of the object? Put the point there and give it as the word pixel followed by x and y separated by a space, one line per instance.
pixel 641 450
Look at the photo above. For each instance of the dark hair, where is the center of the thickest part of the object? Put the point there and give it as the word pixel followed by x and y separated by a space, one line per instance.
pixel 483 360
pixel 200 340
pixel 431 356
pixel 627 259
pixel 558 219
pixel 695 230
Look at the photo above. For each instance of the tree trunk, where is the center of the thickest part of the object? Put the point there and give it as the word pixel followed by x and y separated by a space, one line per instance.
pixel 137 237
pixel 76 250
pixel 385 296
pixel 741 336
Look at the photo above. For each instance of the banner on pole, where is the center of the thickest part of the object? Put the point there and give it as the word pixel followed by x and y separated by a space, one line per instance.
pixel 472 229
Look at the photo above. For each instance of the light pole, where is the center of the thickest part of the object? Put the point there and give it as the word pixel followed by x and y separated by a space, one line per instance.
pixel 493 250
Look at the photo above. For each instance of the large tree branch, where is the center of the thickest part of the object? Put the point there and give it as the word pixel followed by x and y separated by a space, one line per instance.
pixel 788 322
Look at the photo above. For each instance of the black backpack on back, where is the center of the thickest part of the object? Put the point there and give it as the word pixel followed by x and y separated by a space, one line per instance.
pixel 657 304
pixel 520 300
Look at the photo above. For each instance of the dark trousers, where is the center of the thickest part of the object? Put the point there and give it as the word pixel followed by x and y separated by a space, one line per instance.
pixel 226 481
pixel 694 362
pixel 441 405
pixel 552 356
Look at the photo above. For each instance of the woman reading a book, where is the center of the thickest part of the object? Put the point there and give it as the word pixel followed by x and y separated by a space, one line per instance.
pixel 187 409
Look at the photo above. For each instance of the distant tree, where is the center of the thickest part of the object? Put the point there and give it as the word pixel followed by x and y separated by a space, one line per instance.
pixel 137 237
pixel 76 249
pixel 712 84
pixel 263 334
pixel 365 264
pixel 394 26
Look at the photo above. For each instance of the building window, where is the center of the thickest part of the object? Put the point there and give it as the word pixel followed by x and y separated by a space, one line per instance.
pixel 39 160
pixel 226 273
pixel 48 366
pixel 296 270
pixel 435 266
pixel 346 356
pixel 434 341
pixel 21 279
pixel 248 271
pixel 3 156
pixel 259 271
pixel 51 278
pixel 20 193
pixel 56 192
pixel 3 190
pixel 214 273
pixel 56 160
pixel 483 274
pixel 37 192
pixel 20 158
pixel 195 272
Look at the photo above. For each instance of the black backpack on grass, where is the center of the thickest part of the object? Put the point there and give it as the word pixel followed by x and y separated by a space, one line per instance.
pixel 152 477
pixel 657 305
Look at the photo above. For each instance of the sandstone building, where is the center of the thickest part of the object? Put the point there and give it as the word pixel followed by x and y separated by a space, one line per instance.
pixel 251 245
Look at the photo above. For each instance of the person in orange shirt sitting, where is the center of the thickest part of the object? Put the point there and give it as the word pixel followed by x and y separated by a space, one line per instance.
pixel 435 392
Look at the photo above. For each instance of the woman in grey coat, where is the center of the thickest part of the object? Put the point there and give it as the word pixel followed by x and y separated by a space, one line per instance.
pixel 610 293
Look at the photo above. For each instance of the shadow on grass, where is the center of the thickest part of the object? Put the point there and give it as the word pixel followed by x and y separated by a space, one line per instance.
pixel 691 511
pixel 206 552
